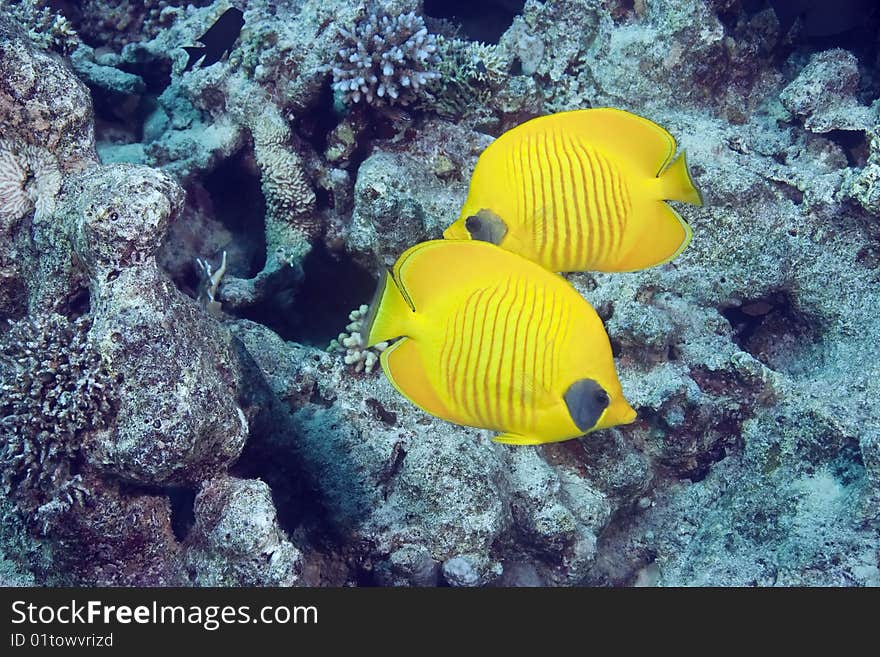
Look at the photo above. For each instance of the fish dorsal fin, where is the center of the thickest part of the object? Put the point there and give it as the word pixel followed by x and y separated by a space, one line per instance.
pixel 404 368
pixel 644 145
pixel 431 270
pixel 668 236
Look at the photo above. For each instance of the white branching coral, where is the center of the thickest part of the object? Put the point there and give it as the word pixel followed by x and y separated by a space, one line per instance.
pixel 353 343
pixel 211 282
pixel 29 180
pixel 386 59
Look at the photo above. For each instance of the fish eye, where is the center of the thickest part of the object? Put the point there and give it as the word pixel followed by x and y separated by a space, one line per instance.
pixel 602 398
pixel 472 224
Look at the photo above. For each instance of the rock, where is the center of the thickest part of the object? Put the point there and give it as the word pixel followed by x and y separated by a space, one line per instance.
pixel 236 540
pixel 824 94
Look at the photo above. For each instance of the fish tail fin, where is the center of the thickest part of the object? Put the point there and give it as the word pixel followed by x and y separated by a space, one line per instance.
pixel 390 313
pixel 195 53
pixel 677 184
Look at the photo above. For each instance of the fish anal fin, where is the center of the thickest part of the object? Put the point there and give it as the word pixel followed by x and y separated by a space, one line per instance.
pixel 665 237
pixel 404 368
pixel 516 439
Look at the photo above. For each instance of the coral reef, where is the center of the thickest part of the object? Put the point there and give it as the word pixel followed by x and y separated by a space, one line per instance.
pixel 172 256
pixel 237 540
pixel 824 94
pixel 46 28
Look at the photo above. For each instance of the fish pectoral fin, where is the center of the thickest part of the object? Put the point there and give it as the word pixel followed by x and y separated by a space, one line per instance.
pixel 516 439
pixel 404 368
pixel 665 237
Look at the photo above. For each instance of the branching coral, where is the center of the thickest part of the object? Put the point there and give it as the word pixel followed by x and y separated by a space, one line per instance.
pixel 47 29
pixel 54 386
pixel 469 72
pixel 29 180
pixel 354 343
pixel 386 59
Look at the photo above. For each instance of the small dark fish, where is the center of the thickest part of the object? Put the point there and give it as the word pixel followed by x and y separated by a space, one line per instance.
pixel 822 18
pixel 218 39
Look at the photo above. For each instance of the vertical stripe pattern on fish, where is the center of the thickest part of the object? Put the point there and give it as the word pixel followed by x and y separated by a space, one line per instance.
pixel 581 190
pixel 496 342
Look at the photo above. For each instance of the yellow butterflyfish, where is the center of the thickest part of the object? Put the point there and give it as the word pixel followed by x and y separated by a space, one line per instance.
pixel 492 340
pixel 581 190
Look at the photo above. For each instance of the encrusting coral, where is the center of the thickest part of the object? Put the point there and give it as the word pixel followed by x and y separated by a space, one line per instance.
pixel 469 73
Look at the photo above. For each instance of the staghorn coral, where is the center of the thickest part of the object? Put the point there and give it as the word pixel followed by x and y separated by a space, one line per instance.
pixel 55 387
pixel 386 59
pixel 29 180
pixel 45 28
pixel 354 343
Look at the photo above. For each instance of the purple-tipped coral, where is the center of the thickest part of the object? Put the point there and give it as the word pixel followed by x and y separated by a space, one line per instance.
pixel 386 59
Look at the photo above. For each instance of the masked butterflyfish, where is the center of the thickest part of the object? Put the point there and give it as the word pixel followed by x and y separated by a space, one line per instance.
pixel 581 190
pixel 492 340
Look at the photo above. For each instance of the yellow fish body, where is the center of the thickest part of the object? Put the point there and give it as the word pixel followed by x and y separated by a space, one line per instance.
pixel 581 190
pixel 492 340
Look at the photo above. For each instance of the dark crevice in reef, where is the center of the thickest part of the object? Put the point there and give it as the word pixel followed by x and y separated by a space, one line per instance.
pixel 333 286
pixel 853 143
pixel 853 26
pixel 319 120
pixel 261 459
pixel 119 119
pixel 774 331
pixel 156 73
pixel 238 204
pixel 269 454
pixel 480 20
pixel 182 511
pixel 77 303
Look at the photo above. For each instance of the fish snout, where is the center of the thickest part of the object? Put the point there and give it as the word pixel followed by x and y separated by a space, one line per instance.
pixel 620 412
pixel 456 231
